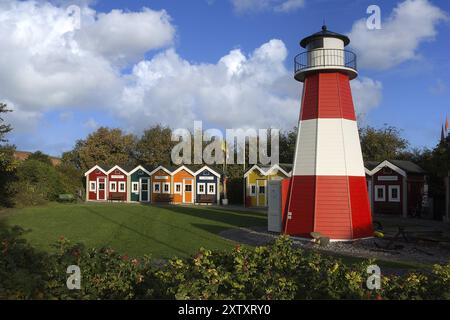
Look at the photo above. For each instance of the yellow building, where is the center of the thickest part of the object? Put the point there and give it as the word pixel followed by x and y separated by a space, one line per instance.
pixel 255 180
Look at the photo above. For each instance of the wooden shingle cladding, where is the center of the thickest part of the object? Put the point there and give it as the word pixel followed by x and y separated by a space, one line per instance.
pixel 256 182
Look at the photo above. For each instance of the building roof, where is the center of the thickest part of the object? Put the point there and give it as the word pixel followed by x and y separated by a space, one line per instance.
pixel 405 165
pixel 408 166
pixel 324 33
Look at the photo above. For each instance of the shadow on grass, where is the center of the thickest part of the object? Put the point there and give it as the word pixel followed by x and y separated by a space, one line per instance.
pixel 143 235
pixel 225 217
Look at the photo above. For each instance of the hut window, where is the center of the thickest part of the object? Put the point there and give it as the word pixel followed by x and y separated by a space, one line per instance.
pixel 380 193
pixel 188 187
pixel 166 187
pixel 394 193
pixel 156 187
pixel 201 188
pixel 113 186
pixel 178 188
pixel 262 189
pixel 211 188
pixel 122 186
pixel 92 186
pixel 135 187
pixel 252 189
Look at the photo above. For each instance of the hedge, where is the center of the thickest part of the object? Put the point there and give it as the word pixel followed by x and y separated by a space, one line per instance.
pixel 278 271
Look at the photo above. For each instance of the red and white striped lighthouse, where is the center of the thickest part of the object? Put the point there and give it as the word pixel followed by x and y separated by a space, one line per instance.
pixel 328 192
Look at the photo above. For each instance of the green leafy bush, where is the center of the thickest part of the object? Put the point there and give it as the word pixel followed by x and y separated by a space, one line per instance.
pixel 37 182
pixel 279 271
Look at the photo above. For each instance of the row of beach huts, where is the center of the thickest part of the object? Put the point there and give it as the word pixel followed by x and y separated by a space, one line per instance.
pixel 394 186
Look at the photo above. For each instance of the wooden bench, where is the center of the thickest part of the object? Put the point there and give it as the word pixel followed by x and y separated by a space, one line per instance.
pixel 67 197
pixel 164 198
pixel 204 198
pixel 117 196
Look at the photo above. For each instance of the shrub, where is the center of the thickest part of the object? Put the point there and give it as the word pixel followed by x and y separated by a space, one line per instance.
pixel 279 271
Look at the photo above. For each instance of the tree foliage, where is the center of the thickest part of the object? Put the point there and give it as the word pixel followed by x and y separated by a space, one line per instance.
pixel 4 128
pixel 155 146
pixel 106 147
pixel 382 144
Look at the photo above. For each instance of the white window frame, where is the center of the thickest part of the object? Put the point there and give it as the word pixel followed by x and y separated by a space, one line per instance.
pixel 376 188
pixel 214 188
pixel 198 188
pixel 178 184
pixel 164 184
pixel 252 193
pixel 390 188
pixel 124 184
pixel 154 187
pixel 113 183
pixel 135 187
pixel 92 183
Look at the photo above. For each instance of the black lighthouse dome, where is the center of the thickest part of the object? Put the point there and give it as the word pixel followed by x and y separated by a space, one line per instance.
pixel 324 33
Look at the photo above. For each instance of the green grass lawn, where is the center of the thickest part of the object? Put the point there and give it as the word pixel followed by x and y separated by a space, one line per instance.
pixel 134 229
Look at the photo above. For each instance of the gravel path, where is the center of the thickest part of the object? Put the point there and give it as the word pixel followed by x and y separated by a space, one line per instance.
pixel 367 248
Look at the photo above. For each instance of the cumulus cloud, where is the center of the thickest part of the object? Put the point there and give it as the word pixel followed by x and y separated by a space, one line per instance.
pixel 239 90
pixel 410 23
pixel 243 6
pixel 367 94
pixel 47 62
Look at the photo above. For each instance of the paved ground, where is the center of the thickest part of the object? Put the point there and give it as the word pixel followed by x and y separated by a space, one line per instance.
pixel 401 251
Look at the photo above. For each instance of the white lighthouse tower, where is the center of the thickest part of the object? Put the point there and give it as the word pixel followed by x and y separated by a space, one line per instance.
pixel 328 192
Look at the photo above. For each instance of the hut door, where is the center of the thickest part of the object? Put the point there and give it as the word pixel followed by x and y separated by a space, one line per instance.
pixel 101 192
pixel 188 193
pixel 145 190
pixel 261 193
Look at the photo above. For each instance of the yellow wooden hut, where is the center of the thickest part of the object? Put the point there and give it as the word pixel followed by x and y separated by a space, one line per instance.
pixel 256 180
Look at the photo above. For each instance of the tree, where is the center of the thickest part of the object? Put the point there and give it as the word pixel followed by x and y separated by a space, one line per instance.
pixel 155 146
pixel 106 147
pixel 4 128
pixel 288 141
pixel 381 144
pixel 40 156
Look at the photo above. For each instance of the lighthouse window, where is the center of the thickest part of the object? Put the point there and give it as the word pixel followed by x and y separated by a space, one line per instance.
pixel 316 44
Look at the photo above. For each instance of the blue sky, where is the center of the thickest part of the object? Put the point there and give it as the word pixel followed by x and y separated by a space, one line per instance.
pixel 223 62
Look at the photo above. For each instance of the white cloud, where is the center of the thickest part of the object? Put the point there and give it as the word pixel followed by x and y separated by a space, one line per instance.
pixel 243 6
pixel 367 94
pixel 238 90
pixel 290 5
pixel 125 37
pixel 410 23
pixel 91 124
pixel 47 63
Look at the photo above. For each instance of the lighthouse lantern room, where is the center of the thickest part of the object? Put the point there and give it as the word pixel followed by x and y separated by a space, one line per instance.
pixel 328 192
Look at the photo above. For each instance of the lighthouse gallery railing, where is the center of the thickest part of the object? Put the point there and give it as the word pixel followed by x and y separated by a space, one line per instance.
pixel 324 58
